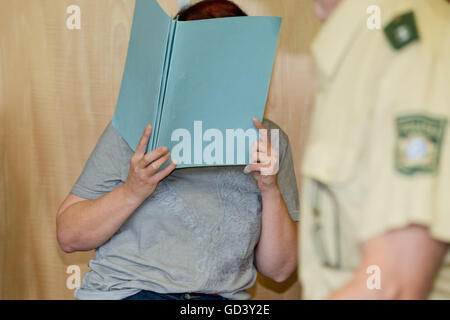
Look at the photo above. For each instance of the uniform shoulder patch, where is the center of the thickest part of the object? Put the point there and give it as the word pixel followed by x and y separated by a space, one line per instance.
pixel 419 143
pixel 402 31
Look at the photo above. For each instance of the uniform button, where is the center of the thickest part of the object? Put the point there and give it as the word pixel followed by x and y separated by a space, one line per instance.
pixel 187 296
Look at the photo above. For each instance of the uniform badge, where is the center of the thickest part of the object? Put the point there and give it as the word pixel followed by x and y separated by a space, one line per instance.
pixel 419 143
pixel 402 31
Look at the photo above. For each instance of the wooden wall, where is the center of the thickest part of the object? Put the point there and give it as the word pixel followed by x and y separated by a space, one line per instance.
pixel 58 90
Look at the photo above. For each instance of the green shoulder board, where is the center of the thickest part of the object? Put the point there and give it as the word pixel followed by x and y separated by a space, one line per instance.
pixel 402 31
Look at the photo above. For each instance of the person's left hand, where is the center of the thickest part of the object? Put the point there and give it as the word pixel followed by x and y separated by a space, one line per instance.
pixel 263 161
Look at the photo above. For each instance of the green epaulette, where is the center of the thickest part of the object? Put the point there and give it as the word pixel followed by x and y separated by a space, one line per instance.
pixel 402 31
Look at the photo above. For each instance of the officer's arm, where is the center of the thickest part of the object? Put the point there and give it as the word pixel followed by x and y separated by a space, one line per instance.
pixel 407 260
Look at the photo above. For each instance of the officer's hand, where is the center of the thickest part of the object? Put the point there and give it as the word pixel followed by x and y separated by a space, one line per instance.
pixel 143 177
pixel 263 161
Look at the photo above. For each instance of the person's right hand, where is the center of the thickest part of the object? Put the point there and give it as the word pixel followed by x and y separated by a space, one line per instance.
pixel 143 177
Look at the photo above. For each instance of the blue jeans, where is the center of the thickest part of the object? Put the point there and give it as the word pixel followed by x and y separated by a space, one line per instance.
pixel 150 295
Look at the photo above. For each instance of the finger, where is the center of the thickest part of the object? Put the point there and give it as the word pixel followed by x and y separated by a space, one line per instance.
pixel 261 169
pixel 252 151
pixel 260 158
pixel 258 146
pixel 153 156
pixel 258 124
pixel 262 147
pixel 264 138
pixel 166 171
pixel 254 157
pixel 157 164
pixel 264 133
pixel 271 171
pixel 256 175
pixel 248 169
pixel 143 143
pixel 264 142
pixel 252 168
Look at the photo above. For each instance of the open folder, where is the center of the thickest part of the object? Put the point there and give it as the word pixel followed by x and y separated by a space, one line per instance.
pixel 200 80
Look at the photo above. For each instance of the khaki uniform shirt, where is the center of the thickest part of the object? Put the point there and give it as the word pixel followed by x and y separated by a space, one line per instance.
pixel 378 156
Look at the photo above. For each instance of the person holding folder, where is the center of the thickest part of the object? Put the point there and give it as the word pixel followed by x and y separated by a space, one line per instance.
pixel 193 233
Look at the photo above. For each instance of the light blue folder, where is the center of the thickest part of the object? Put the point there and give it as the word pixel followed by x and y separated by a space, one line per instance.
pixel 216 71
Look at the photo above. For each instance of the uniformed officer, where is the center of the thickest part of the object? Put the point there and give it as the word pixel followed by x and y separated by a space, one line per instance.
pixel 376 190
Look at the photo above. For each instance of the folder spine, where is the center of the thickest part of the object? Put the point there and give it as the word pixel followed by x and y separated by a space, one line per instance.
pixel 164 82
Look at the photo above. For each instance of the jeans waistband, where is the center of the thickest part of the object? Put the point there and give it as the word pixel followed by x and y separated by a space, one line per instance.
pixel 150 295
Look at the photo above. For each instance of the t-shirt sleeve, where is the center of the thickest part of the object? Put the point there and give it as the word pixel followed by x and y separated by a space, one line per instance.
pixel 106 167
pixel 409 155
pixel 287 181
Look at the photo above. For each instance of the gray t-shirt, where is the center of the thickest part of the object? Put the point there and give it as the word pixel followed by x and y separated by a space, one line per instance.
pixel 196 233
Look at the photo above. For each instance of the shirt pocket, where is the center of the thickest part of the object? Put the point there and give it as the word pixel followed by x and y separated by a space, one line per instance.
pixel 335 150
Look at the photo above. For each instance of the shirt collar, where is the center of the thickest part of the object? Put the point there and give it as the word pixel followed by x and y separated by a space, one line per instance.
pixel 338 32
